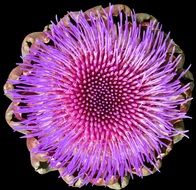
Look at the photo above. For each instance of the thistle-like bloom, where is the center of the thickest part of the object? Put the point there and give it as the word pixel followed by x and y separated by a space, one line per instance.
pixel 100 96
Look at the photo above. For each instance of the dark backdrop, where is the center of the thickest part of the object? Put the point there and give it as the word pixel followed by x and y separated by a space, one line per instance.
pixel 20 18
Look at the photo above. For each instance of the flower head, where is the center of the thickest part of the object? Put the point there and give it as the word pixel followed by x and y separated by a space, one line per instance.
pixel 100 97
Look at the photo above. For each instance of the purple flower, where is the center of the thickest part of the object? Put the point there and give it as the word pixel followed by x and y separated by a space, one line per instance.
pixel 102 98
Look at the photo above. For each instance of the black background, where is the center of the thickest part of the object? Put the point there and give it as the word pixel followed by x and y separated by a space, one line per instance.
pixel 22 18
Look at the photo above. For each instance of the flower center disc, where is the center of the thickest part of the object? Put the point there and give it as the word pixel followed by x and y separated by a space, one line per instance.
pixel 101 97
